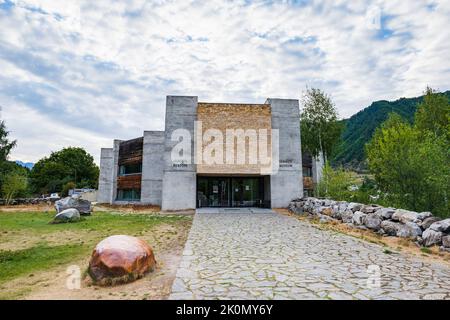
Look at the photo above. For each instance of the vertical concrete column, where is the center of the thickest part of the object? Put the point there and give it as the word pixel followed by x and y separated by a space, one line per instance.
pixel 152 167
pixel 317 168
pixel 115 169
pixel 179 181
pixel 287 184
pixel 105 180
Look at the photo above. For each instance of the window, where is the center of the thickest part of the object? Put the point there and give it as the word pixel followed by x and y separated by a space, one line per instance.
pixel 307 171
pixel 130 169
pixel 129 194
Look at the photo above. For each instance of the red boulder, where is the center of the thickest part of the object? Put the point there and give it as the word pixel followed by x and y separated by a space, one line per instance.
pixel 119 259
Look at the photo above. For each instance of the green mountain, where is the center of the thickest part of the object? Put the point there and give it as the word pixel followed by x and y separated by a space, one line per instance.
pixel 359 128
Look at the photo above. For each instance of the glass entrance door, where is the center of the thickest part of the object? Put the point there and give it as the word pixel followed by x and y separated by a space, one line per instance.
pixel 246 192
pixel 213 192
pixel 230 192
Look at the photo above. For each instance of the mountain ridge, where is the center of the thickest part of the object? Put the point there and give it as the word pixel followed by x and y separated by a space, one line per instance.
pixel 28 165
pixel 359 128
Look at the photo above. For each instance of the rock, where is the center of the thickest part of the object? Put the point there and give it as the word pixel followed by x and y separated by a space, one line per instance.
pixel 409 230
pixel 390 227
pixel 385 213
pixel 335 208
pixel 347 216
pixel 342 207
pixel 373 221
pixel 424 215
pixel 444 249
pixel 369 208
pixel 431 237
pixel 442 226
pixel 446 241
pixel 326 211
pixel 119 259
pixel 405 216
pixel 68 215
pixel 296 210
pixel 83 206
pixel 427 222
pixel 358 218
pixel 354 206
pixel 325 218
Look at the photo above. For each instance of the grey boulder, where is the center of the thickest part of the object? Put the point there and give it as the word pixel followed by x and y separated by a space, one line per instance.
pixel 446 241
pixel 354 206
pixel 68 215
pixel 358 218
pixel 442 226
pixel 424 215
pixel 390 228
pixel 342 207
pixel 83 206
pixel 347 216
pixel 373 221
pixel 325 219
pixel 296 210
pixel 385 213
pixel 430 237
pixel 427 222
pixel 405 216
pixel 409 230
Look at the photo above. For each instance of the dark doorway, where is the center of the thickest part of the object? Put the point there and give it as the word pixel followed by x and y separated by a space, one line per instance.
pixel 232 192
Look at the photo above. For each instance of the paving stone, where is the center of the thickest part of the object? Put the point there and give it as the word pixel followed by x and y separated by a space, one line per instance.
pixel 252 255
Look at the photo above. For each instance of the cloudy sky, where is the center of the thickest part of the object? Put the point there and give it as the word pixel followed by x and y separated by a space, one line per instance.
pixel 80 73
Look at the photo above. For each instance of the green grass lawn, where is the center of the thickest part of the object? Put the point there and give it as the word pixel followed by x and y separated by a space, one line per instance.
pixel 42 254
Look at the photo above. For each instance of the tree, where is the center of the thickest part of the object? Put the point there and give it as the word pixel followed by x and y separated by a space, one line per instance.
pixel 320 129
pixel 67 187
pixel 410 166
pixel 7 167
pixel 13 184
pixel 5 144
pixel 433 114
pixel 75 165
pixel 336 184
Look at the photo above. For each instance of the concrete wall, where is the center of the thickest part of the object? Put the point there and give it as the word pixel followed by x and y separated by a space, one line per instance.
pixel 152 167
pixel 287 184
pixel 105 183
pixel 179 180
pixel 90 196
pixel 115 169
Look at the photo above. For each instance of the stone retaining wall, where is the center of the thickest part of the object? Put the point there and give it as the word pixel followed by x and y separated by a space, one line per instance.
pixel 423 227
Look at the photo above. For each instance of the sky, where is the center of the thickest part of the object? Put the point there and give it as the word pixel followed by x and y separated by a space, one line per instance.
pixel 82 72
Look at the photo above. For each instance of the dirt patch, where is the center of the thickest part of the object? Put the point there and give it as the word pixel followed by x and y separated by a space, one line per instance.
pixel 128 208
pixel 394 244
pixel 167 241
pixel 41 207
pixel 20 239
pixel 154 286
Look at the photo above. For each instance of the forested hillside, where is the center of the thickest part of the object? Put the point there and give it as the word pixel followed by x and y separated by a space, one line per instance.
pixel 359 128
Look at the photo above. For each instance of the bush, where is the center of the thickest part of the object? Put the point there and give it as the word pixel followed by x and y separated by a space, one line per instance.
pixel 68 186
pixel 337 184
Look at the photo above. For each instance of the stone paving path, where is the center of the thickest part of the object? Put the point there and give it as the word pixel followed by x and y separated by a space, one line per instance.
pixel 272 256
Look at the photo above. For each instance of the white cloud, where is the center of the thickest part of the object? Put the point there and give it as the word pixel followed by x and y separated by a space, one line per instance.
pixel 101 69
